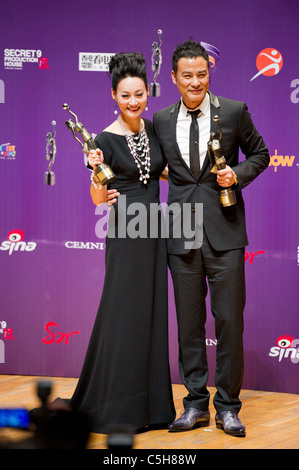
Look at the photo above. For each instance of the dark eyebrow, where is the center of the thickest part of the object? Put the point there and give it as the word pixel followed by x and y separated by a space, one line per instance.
pixel 137 91
pixel 200 71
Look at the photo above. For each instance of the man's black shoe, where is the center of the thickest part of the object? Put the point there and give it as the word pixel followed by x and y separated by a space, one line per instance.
pixel 190 419
pixel 230 423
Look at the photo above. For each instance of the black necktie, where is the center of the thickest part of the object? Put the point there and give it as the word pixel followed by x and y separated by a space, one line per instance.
pixel 194 143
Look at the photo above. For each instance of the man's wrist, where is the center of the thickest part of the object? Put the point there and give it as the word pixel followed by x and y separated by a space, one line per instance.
pixel 235 178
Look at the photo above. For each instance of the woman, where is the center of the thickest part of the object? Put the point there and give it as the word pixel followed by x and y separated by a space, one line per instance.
pixel 125 378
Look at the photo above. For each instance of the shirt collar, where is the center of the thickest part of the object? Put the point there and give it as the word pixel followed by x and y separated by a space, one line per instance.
pixel 204 106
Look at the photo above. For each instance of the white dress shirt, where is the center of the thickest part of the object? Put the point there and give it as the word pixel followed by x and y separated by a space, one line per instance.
pixel 183 129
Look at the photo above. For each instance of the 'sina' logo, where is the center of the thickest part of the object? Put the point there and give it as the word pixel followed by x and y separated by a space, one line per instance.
pixel 268 62
pixel 285 341
pixel 15 242
pixel 286 347
pixel 15 235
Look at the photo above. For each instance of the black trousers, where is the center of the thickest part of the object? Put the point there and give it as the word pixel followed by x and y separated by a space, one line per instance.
pixel 223 273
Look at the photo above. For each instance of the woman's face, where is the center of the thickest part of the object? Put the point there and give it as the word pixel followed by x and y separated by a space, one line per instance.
pixel 131 96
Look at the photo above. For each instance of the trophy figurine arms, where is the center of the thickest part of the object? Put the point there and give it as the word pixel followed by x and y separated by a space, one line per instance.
pixel 78 126
pixel 156 65
pixel 103 172
pixel 217 120
pixel 157 56
pixel 49 176
pixel 51 146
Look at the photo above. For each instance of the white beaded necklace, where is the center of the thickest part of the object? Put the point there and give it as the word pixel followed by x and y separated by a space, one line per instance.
pixel 139 147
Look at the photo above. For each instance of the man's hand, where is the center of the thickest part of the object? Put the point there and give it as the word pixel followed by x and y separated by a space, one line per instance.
pixel 226 177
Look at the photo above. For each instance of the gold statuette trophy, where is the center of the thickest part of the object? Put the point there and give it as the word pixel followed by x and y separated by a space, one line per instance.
pixel 227 196
pixel 103 171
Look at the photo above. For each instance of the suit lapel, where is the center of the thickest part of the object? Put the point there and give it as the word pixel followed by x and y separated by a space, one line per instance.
pixel 173 120
pixel 214 109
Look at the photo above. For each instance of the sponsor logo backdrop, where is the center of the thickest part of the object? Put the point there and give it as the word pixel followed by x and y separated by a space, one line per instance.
pixel 52 262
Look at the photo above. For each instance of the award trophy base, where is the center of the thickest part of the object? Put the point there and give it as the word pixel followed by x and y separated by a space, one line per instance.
pixel 155 89
pixel 227 197
pixel 49 178
pixel 104 174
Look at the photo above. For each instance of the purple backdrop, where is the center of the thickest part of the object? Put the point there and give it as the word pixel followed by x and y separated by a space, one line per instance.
pixel 51 279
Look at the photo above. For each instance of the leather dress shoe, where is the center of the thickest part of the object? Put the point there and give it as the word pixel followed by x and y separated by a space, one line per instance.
pixel 230 423
pixel 190 419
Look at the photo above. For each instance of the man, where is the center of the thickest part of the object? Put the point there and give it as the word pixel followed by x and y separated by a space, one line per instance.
pixel 220 259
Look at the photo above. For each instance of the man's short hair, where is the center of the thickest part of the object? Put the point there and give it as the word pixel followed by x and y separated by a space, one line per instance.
pixel 189 49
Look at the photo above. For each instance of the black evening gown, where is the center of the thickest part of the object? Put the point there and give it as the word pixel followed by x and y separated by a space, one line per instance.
pixel 125 379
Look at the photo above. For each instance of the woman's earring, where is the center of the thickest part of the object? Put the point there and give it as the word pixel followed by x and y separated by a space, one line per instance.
pixel 146 108
pixel 115 108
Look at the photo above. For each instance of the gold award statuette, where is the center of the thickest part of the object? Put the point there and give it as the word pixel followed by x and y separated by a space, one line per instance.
pixel 103 171
pixel 227 196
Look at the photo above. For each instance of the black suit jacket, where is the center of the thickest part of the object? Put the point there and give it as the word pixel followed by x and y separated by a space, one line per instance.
pixel 225 227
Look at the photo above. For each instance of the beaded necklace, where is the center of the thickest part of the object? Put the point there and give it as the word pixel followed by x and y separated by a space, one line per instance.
pixel 139 147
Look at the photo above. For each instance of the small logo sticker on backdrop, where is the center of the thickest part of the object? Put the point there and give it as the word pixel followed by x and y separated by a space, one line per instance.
pixel 268 62
pixel 211 342
pixel 286 348
pixel 94 61
pixel 14 59
pixel 295 92
pixel 2 91
pixel 7 152
pixel 43 63
pixel 85 245
pixel 250 256
pixel 58 336
pixel 7 334
pixel 213 52
pixel 15 242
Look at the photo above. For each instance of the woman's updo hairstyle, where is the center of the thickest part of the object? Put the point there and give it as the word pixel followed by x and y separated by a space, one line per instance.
pixel 127 64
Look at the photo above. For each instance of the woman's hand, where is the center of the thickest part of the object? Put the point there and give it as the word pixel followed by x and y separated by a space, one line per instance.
pixel 164 174
pixel 112 195
pixel 95 158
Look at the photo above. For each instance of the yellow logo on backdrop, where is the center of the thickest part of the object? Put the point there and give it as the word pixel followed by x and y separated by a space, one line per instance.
pixel 281 160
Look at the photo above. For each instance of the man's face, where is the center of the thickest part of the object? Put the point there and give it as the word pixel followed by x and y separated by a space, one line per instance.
pixel 192 80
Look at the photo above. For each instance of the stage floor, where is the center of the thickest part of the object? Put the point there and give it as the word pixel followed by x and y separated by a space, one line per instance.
pixel 271 419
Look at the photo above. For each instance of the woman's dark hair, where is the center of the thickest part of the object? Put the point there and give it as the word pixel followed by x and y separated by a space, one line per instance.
pixel 188 49
pixel 127 64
